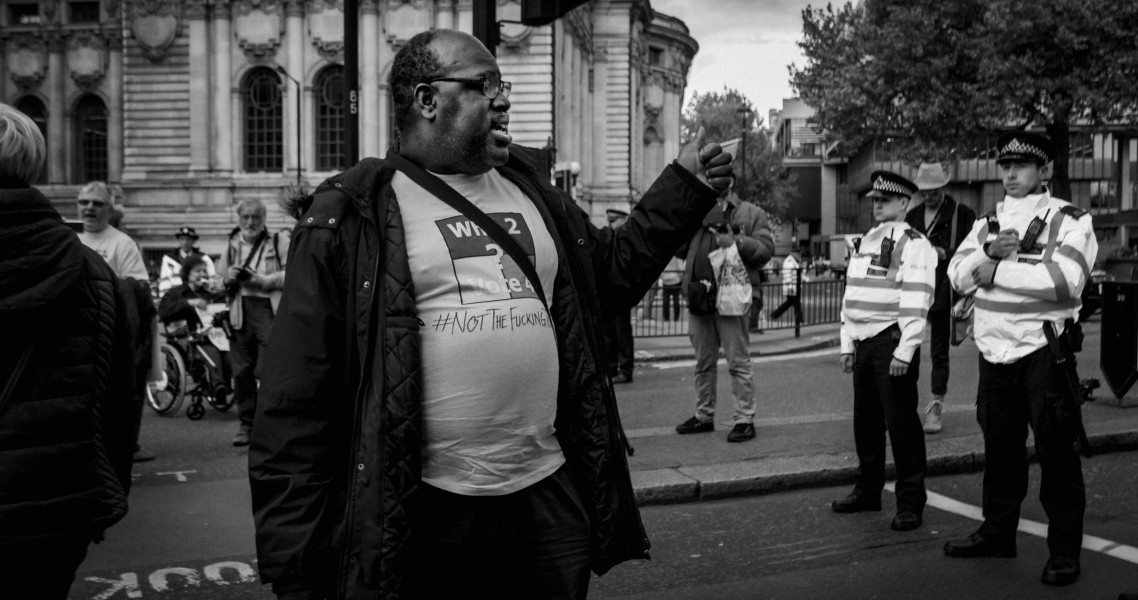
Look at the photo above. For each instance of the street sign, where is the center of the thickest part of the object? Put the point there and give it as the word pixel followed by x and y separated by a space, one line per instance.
pixel 1119 357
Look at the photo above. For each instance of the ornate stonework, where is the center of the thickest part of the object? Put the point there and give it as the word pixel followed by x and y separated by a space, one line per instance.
pixel 86 58
pixel 26 55
pixel 260 26
pixel 154 26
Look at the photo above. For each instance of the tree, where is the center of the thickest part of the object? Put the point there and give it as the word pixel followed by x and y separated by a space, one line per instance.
pixel 942 77
pixel 762 180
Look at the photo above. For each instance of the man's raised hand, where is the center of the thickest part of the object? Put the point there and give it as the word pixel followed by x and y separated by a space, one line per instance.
pixel 707 162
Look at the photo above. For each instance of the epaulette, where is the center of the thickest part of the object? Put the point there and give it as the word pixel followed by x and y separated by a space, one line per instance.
pixel 327 209
pixel 1073 211
pixel 914 234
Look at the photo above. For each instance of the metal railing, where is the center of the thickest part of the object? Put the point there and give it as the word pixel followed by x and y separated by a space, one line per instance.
pixel 820 300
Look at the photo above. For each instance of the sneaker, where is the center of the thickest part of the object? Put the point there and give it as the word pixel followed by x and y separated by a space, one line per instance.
pixel 242 438
pixel 141 455
pixel 932 416
pixel 694 425
pixel 741 432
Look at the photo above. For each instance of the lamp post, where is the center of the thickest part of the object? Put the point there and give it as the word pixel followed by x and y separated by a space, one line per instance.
pixel 743 152
pixel 299 150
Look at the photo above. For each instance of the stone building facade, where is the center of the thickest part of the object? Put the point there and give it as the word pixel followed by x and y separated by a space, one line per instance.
pixel 188 107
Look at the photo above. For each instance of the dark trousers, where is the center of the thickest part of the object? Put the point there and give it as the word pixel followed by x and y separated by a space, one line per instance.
pixel 1010 398
pixel 791 301
pixel 671 295
pixel 619 337
pixel 939 337
pixel 245 350
pixel 886 403
pixel 534 543
pixel 41 569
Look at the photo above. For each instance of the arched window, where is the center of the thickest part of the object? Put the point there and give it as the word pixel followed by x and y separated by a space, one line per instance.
pixel 35 110
pixel 329 93
pixel 263 121
pixel 90 140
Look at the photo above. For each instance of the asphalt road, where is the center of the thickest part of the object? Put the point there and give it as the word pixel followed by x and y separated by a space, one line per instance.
pixel 187 540
pixel 189 532
pixel 792 546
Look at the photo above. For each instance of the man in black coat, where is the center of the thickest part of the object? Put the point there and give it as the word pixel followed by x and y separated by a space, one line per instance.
pixel 939 217
pixel 67 415
pixel 434 422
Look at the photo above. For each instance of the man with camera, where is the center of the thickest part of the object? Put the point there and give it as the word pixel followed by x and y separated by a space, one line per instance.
pixel 253 267
pixel 731 222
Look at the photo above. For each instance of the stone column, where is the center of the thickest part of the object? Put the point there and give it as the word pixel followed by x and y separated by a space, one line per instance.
pixel 199 80
pixel 115 147
pixel 56 123
pixel 370 123
pixel 294 36
pixel 444 14
pixel 222 89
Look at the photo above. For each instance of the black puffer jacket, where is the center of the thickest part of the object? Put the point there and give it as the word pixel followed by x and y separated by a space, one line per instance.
pixel 66 432
pixel 335 462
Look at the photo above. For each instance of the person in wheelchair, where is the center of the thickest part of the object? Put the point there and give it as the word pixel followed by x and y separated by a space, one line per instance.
pixel 183 302
pixel 202 369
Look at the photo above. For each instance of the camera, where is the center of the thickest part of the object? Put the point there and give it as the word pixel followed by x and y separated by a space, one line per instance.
pixel 724 228
pixel 244 275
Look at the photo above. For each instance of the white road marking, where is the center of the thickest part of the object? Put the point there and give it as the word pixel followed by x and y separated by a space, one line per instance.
pixel 1090 542
pixel 755 360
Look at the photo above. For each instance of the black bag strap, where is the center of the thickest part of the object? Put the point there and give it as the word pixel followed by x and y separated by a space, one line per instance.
pixel 10 385
pixel 447 194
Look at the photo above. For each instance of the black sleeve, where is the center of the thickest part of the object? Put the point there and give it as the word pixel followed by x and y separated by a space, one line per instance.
pixel 291 457
pixel 629 260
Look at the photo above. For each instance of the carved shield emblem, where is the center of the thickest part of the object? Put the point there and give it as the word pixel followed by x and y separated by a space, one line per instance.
pixel 155 34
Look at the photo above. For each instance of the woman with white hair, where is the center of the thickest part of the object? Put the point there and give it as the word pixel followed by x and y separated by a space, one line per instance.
pixel 66 412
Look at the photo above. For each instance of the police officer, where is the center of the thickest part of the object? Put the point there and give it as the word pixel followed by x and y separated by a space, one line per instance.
pixel 1026 263
pixel 889 288
pixel 618 334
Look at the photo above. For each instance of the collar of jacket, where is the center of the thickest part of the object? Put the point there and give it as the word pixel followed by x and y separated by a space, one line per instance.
pixel 370 174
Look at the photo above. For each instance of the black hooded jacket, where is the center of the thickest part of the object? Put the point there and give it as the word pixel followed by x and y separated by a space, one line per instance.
pixel 335 460
pixel 66 430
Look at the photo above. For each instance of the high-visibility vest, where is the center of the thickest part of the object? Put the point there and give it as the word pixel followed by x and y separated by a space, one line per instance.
pixel 1035 284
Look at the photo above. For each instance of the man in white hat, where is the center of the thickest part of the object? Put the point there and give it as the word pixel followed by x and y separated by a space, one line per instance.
pixel 945 223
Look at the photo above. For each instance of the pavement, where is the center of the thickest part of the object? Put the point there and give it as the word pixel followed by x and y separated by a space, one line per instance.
pixel 816 450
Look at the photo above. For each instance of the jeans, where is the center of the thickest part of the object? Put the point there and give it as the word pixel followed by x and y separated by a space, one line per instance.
pixel 246 349
pixel 708 333
pixel 534 543
pixel 883 403
pixel 1010 398
pixel 791 301
pixel 939 337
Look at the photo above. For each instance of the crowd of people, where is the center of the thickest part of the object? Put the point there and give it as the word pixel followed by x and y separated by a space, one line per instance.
pixel 391 454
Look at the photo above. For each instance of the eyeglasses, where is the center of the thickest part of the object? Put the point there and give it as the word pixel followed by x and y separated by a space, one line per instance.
pixel 491 84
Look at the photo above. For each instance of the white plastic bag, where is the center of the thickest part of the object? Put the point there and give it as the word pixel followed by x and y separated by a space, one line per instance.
pixel 734 299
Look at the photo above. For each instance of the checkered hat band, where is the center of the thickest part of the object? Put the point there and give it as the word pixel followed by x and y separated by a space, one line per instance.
pixel 884 185
pixel 1018 146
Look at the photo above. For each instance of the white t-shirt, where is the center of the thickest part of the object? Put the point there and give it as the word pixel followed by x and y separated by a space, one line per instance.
pixel 489 348
pixel 120 252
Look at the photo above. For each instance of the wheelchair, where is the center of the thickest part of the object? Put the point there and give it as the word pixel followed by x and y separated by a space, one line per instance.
pixel 194 364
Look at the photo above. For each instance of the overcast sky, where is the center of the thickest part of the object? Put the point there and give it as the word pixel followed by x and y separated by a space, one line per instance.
pixel 743 44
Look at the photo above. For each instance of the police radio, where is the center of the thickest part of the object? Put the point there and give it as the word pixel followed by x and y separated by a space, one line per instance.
pixel 1034 228
pixel 886 255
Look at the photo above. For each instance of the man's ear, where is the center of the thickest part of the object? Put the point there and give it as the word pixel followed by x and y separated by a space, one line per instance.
pixel 426 101
pixel 1045 170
